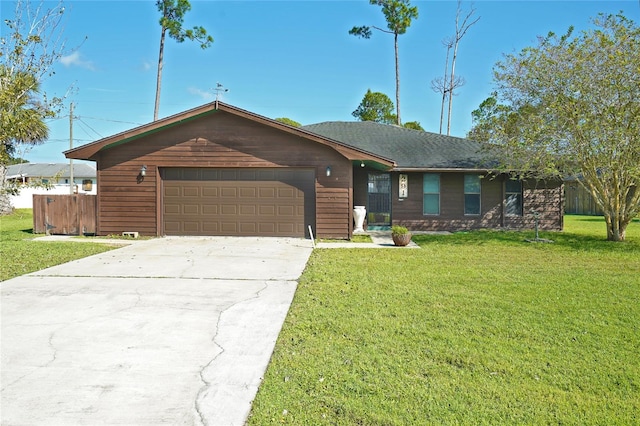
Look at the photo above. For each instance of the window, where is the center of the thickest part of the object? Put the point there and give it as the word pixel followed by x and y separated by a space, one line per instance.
pixel 471 194
pixel 431 193
pixel 513 195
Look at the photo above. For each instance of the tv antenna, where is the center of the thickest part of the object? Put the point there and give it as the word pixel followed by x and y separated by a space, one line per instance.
pixel 220 89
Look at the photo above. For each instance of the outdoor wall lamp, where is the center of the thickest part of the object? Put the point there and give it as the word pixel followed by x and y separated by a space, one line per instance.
pixel 143 171
pixel 328 170
pixel 362 164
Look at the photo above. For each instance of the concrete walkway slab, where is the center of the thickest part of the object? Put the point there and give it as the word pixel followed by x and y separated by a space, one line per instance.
pixel 163 331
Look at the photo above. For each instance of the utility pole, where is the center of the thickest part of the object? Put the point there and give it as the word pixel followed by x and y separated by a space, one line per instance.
pixel 71 185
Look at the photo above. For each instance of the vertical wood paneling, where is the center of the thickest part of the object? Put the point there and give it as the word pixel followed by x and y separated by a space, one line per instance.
pixel 64 214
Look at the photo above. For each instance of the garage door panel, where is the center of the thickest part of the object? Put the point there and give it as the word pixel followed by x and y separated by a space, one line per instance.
pixel 231 228
pixel 267 228
pixel 248 228
pixel 270 202
pixel 228 209
pixel 191 192
pixel 210 209
pixel 172 192
pixel 191 209
pixel 210 228
pixel 267 210
pixel 248 192
pixel 209 191
pixel 286 210
pixel 286 193
pixel 171 209
pixel 191 227
pixel 268 193
pixel 247 210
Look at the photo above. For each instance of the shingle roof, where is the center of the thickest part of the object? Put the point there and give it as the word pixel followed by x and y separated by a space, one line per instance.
pixel 408 148
pixel 48 170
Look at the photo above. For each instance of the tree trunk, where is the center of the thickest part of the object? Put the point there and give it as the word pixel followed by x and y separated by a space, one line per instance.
pixel 397 80
pixel 616 227
pixel 452 84
pixel 159 80
pixel 444 86
pixel 5 199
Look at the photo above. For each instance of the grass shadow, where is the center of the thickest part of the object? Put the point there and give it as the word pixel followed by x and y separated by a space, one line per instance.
pixel 561 240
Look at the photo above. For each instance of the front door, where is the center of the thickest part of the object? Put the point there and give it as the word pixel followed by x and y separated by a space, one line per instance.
pixel 379 199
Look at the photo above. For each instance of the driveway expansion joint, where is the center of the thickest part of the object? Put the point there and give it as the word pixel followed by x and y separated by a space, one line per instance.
pixel 214 339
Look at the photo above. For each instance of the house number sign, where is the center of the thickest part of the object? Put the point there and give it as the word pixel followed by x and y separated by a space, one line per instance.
pixel 403 189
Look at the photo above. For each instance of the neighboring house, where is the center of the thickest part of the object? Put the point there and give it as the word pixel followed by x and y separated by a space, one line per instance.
pixel 221 170
pixel 54 177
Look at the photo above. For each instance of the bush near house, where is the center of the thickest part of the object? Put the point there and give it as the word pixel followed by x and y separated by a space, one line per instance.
pixel 474 328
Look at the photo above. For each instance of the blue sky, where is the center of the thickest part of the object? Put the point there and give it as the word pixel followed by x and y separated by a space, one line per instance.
pixel 284 59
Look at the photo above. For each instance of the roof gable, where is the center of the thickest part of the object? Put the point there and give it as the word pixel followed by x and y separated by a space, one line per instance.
pixel 89 151
pixel 410 149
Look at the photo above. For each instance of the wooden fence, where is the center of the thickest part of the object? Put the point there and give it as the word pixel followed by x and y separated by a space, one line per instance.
pixel 64 214
pixel 578 200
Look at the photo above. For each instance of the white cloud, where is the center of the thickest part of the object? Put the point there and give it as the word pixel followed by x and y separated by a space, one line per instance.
pixel 74 59
pixel 207 96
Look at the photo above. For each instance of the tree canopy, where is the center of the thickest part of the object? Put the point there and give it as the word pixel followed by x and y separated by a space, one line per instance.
pixel 375 106
pixel 378 107
pixel 28 50
pixel 288 121
pixel 570 107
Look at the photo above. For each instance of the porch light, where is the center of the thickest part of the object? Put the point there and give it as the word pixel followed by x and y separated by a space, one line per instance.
pixel 362 164
pixel 143 171
pixel 328 170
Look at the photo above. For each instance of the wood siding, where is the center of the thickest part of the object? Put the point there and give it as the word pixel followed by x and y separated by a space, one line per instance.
pixel 129 202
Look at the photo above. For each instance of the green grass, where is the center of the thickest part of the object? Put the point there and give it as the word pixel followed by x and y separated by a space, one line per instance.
pixel 20 255
pixel 476 328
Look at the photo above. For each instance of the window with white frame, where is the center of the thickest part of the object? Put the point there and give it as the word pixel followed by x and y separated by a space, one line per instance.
pixel 513 196
pixel 431 194
pixel 472 194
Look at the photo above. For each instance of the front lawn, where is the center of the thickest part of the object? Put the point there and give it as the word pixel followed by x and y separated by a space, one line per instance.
pixel 475 328
pixel 20 255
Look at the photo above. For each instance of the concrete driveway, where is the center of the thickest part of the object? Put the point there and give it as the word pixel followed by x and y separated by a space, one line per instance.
pixel 164 331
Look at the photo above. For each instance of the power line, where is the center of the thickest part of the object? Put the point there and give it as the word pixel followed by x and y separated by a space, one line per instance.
pixel 112 121
pixel 91 128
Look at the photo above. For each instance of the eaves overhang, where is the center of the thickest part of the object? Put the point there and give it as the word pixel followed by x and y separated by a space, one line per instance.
pixel 443 170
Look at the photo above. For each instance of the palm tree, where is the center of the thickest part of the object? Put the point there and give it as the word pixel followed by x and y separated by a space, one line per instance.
pixel 22 118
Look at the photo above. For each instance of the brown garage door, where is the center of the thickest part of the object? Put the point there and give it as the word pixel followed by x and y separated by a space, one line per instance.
pixel 242 202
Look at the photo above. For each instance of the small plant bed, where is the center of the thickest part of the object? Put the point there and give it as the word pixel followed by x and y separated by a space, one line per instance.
pixel 357 238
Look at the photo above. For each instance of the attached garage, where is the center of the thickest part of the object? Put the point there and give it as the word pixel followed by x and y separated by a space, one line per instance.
pixel 271 202
pixel 220 170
